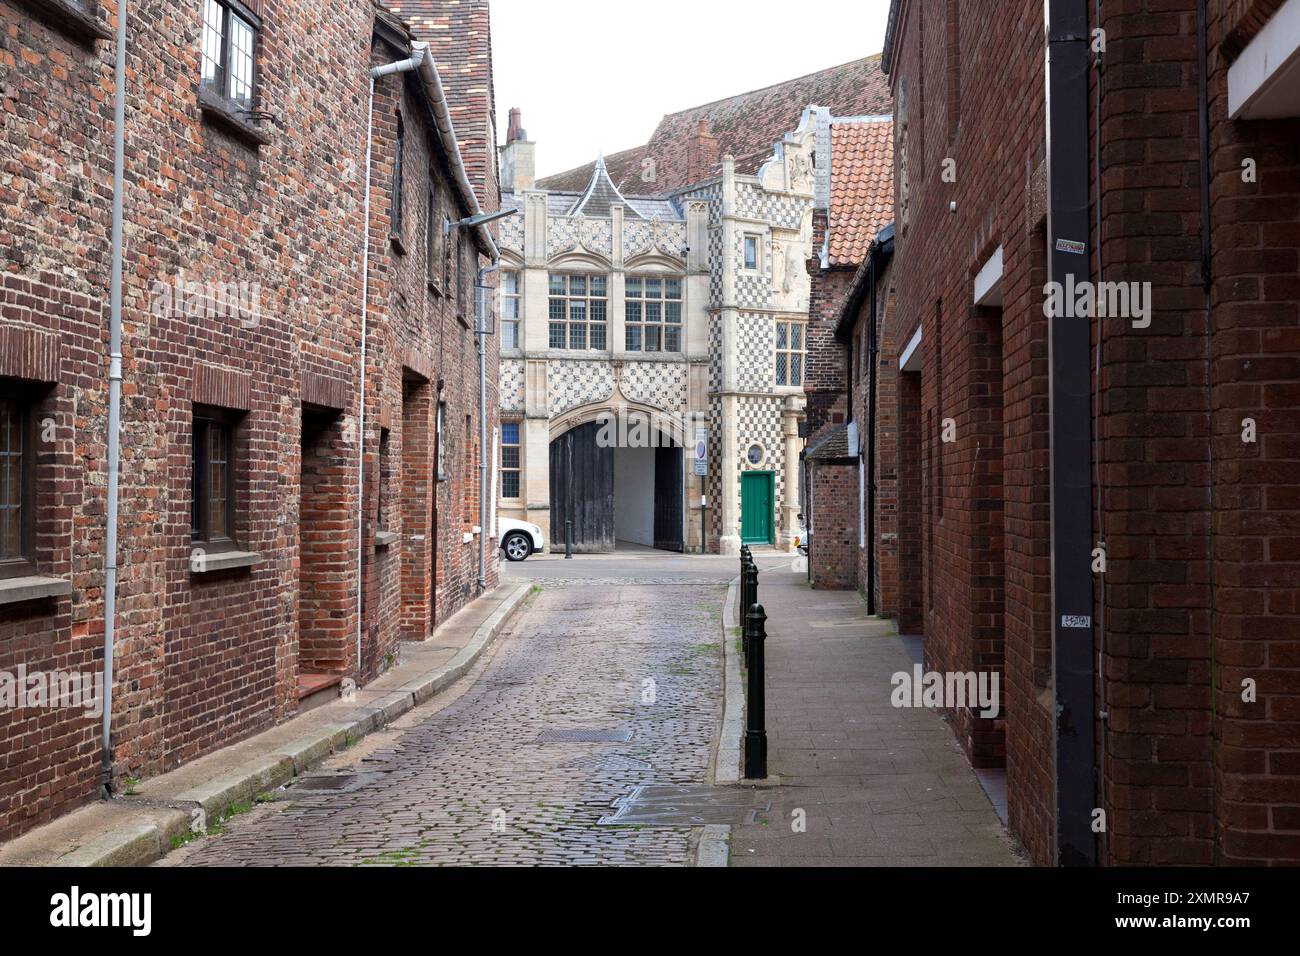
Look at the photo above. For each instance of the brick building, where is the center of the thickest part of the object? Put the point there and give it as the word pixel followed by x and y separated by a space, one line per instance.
pixel 855 200
pixel 259 563
pixel 1172 415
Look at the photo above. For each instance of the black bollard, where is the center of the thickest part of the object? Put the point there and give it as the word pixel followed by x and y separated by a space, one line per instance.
pixel 749 595
pixel 755 705
pixel 568 539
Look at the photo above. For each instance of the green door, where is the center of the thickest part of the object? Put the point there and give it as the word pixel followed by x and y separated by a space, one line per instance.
pixel 756 525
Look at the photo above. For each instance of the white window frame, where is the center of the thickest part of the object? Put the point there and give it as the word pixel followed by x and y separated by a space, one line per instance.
pixel 788 352
pixel 506 469
pixel 568 298
pixel 641 304
pixel 517 298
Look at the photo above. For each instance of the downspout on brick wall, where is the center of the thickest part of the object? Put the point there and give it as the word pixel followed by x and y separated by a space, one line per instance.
pixel 1069 350
pixel 114 393
pixel 486 534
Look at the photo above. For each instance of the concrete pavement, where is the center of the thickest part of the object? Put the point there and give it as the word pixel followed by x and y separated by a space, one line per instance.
pixel 861 783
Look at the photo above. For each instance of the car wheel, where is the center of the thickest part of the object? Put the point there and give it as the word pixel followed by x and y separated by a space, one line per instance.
pixel 517 547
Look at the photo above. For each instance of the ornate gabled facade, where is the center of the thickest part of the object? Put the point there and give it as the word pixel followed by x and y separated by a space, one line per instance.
pixel 685 312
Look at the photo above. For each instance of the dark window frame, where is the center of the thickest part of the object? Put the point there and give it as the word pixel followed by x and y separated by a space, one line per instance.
pixel 220 86
pixel 23 564
pixel 205 418
pixel 440 435
pixel 433 220
pixel 461 271
pixel 395 211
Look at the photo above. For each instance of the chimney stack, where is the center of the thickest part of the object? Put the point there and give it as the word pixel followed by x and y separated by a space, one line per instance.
pixel 703 153
pixel 518 157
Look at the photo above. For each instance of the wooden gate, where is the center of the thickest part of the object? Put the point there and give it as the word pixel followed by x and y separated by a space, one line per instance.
pixel 669 533
pixel 582 490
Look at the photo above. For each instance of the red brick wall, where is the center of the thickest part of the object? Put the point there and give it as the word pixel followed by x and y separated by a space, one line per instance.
pixel 203 660
pixel 826 379
pixel 833 544
pixel 1187 777
pixel 1255 372
pixel 976 506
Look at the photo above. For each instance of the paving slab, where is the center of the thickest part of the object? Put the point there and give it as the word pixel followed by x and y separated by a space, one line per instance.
pixel 862 783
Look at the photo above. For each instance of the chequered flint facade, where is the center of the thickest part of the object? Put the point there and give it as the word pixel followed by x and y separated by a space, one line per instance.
pixel 735 245
pixel 241 566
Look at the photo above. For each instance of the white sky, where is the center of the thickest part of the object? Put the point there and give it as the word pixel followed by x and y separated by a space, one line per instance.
pixel 605 71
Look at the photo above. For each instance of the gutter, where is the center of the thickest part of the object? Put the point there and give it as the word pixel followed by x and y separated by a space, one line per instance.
pixel 433 89
pixel 114 394
pixel 887 55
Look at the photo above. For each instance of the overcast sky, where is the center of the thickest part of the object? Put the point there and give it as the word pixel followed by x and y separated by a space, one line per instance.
pixel 605 71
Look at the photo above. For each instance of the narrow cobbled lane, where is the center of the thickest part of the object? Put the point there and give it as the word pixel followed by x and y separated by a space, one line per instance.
pixel 496 777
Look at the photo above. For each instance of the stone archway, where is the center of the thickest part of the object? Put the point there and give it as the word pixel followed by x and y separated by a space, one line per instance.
pixel 617 472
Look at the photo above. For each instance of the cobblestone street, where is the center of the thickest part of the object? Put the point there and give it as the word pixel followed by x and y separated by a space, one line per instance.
pixel 473 782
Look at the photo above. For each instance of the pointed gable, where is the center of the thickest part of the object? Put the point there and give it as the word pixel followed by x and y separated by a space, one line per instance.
pixel 600 195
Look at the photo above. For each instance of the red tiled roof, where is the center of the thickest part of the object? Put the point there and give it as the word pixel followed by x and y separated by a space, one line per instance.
pixel 747 126
pixel 459 34
pixel 862 187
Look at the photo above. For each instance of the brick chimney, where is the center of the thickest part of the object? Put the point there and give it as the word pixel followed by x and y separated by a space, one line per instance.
pixel 702 153
pixel 518 157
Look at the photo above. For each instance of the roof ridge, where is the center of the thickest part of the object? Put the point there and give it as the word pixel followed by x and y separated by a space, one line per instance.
pixel 770 86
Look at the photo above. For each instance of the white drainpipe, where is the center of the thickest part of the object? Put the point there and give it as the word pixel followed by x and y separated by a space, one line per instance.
pixel 481 334
pixel 114 391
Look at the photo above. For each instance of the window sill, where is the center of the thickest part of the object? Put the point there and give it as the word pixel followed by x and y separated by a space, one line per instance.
pixel 32 588
pixel 224 561
pixel 398 245
pixel 385 540
pixel 76 22
pixel 222 113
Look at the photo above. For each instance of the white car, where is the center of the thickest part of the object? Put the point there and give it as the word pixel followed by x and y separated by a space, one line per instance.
pixel 519 539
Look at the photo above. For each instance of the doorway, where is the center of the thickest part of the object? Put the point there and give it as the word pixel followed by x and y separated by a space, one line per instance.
pixel 756 507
